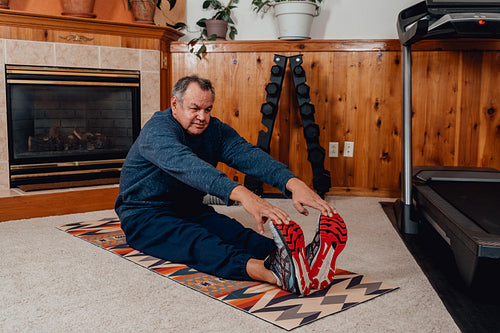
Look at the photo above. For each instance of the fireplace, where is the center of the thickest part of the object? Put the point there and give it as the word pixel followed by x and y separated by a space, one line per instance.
pixel 69 125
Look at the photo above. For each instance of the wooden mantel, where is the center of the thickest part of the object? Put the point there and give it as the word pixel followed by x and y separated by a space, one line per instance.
pixel 49 28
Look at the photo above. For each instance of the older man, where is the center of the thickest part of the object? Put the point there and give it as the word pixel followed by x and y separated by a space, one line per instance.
pixel 172 165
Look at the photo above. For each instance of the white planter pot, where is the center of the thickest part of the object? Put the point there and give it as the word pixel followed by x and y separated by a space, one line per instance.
pixel 295 18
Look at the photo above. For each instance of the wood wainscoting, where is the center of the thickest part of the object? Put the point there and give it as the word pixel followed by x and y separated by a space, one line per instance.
pixel 355 86
pixel 356 89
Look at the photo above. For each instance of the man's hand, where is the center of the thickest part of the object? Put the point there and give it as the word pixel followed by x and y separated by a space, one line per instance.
pixel 303 195
pixel 260 209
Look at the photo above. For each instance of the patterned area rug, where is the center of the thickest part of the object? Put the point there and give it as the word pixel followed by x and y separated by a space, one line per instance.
pixel 262 300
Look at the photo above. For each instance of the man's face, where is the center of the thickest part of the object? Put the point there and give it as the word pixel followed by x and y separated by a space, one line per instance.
pixel 194 112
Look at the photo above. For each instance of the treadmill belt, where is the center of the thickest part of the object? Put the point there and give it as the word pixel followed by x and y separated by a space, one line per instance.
pixel 479 201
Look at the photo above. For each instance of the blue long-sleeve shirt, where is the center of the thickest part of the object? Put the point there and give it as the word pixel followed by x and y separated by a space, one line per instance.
pixel 168 168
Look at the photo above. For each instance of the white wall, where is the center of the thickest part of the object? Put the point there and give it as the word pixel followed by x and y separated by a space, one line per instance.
pixel 339 19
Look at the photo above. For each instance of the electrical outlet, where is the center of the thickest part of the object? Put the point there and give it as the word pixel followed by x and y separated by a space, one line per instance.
pixel 348 149
pixel 333 149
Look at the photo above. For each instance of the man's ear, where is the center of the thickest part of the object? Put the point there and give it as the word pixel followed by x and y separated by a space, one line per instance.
pixel 173 102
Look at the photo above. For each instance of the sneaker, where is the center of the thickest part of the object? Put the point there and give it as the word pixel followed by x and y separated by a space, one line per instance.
pixel 288 262
pixel 322 252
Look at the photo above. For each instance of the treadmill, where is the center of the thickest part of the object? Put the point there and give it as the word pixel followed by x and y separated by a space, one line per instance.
pixel 462 204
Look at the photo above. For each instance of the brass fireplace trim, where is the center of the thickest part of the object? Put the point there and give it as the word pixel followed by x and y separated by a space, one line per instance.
pixel 73 83
pixel 64 164
pixel 64 71
pixel 62 173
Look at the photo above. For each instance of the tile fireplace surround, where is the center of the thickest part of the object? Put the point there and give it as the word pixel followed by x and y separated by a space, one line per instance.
pixel 20 52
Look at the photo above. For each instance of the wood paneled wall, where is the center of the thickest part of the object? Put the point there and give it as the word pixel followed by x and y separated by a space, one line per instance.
pixel 356 90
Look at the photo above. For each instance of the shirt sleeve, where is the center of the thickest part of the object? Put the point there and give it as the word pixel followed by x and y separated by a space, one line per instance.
pixel 250 159
pixel 165 149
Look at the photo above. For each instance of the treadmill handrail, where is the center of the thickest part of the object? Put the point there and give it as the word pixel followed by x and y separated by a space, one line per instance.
pixel 412 15
pixel 414 24
pixel 459 176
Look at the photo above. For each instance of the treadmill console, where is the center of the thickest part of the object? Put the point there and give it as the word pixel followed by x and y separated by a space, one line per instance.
pixel 441 7
pixel 438 19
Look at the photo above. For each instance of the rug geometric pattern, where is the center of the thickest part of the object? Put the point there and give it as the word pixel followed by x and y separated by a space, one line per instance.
pixel 262 300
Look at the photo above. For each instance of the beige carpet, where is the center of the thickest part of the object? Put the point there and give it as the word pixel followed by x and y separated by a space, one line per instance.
pixel 53 282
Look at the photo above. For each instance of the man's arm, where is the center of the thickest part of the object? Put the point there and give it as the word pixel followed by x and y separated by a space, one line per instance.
pixel 249 159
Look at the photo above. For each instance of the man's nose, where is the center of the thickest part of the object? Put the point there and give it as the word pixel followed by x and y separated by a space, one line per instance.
pixel 202 115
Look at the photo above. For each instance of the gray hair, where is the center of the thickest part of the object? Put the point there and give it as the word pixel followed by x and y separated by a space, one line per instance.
pixel 181 86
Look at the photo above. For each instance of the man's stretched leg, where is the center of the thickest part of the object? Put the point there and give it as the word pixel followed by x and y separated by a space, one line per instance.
pixel 285 255
pixel 254 243
pixel 233 232
pixel 159 234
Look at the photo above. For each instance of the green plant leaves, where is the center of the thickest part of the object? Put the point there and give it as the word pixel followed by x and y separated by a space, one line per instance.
pixel 222 13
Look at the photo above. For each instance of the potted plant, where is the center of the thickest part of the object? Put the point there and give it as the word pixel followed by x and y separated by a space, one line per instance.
pixel 294 16
pixel 144 10
pixel 216 26
pixel 4 4
pixel 78 8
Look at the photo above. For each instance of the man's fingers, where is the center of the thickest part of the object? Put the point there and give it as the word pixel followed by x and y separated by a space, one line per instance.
pixel 324 207
pixel 261 210
pixel 260 227
pixel 279 216
pixel 300 208
pixel 329 209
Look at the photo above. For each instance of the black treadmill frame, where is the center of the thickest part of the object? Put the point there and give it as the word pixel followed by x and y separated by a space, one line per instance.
pixel 413 26
pixel 468 241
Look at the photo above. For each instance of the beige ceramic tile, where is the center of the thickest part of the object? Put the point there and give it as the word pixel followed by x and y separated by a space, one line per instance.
pixel 70 55
pixel 150 60
pixel 150 92
pixel 119 58
pixel 4 148
pixel 4 176
pixel 145 117
pixel 3 134
pixel 6 192
pixel 2 54
pixel 4 151
pixel 29 53
pixel 3 102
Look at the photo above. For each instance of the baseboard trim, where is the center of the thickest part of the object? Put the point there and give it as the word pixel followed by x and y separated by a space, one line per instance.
pixel 58 203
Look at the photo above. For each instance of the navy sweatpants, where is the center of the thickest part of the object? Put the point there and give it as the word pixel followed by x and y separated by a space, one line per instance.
pixel 208 242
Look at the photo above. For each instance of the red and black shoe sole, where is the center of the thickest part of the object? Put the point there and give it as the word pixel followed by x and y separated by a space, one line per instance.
pixel 333 235
pixel 293 236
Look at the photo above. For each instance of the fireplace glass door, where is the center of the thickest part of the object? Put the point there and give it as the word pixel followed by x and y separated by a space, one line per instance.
pixel 69 124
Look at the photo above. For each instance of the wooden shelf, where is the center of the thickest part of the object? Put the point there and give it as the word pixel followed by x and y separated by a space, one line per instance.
pixel 353 45
pixel 48 28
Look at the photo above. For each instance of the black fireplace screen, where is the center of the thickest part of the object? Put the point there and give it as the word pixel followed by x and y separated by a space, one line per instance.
pixel 67 124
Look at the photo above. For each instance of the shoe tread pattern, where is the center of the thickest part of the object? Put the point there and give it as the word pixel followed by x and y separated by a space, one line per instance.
pixel 333 234
pixel 294 238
